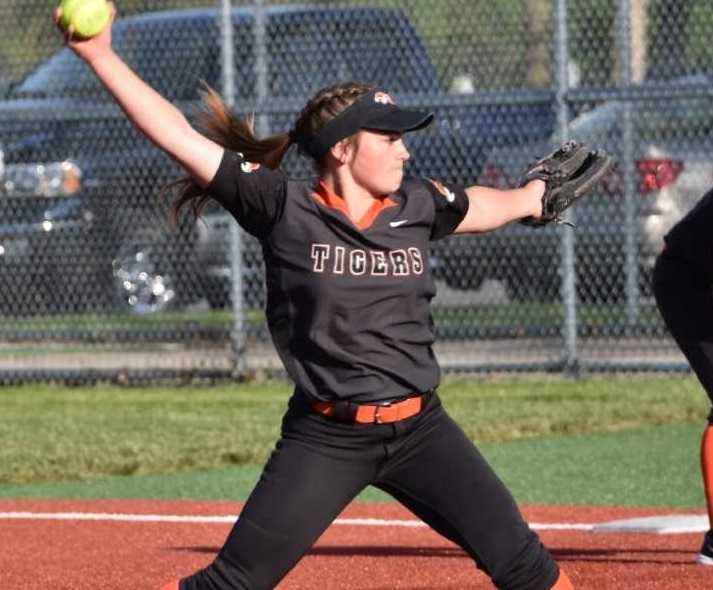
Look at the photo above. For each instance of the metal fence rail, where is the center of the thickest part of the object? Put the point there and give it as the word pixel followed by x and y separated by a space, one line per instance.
pixel 98 285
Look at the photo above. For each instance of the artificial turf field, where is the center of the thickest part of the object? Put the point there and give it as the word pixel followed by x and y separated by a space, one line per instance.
pixel 574 452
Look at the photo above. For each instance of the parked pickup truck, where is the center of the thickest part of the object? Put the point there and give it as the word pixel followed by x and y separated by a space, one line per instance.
pixel 83 224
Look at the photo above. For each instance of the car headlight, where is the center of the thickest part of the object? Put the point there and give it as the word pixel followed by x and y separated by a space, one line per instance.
pixel 50 179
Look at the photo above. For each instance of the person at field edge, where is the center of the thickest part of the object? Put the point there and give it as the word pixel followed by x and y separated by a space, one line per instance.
pixel 683 288
pixel 348 308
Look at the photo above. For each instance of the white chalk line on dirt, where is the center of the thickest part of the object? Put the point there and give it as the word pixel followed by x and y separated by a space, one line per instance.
pixel 661 525
pixel 230 519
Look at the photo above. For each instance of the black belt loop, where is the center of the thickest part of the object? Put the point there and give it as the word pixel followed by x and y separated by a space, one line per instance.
pixel 345 411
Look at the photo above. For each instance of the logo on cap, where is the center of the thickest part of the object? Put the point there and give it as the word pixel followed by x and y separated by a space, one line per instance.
pixel 383 98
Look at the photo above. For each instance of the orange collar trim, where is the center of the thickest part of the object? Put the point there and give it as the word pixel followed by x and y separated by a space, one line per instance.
pixel 327 197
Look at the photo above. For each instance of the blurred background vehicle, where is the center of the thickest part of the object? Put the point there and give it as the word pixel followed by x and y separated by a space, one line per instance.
pixel 83 224
pixel 671 168
pixel 671 153
pixel 85 244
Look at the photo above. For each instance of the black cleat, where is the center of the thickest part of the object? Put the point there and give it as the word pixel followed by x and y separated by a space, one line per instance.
pixel 705 556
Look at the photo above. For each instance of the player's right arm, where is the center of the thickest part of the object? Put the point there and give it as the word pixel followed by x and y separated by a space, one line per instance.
pixel 158 119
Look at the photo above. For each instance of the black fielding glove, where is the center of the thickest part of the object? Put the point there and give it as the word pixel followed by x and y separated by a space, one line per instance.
pixel 569 173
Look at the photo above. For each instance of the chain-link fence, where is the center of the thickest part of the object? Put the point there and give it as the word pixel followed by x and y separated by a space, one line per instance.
pixel 98 284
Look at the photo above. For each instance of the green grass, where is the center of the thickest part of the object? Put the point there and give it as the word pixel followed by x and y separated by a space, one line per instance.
pixel 52 433
pixel 596 440
pixel 117 321
pixel 541 315
pixel 655 466
pixel 106 325
pixel 448 318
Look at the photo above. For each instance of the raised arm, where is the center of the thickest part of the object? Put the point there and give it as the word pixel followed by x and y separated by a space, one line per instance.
pixel 490 208
pixel 158 119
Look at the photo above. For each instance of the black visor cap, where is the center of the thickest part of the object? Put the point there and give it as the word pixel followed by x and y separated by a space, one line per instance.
pixel 374 111
pixel 399 120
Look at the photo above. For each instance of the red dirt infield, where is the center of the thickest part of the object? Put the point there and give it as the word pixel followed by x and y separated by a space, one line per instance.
pixel 75 554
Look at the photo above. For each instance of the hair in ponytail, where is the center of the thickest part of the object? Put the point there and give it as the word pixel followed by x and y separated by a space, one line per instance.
pixel 217 122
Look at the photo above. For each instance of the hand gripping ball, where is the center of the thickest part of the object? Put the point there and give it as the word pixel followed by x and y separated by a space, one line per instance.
pixel 86 17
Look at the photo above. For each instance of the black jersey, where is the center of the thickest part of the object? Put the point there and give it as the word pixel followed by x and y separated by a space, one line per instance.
pixel 692 237
pixel 348 307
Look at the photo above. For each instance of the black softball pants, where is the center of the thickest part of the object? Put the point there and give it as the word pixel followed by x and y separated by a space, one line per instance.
pixel 426 462
pixel 685 299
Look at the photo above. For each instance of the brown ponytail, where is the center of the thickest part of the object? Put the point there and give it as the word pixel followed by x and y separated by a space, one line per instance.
pixel 219 124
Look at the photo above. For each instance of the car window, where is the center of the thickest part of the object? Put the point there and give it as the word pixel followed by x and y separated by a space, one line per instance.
pixel 603 119
pixel 306 51
pixel 301 57
pixel 385 49
pixel 650 118
pixel 690 117
pixel 171 56
pixel 310 51
pixel 676 119
pixel 61 75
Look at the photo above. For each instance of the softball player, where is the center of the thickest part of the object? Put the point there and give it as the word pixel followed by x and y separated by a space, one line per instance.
pixel 683 286
pixel 349 290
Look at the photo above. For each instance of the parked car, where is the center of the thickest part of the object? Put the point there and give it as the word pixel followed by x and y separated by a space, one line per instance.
pixel 671 169
pixel 82 221
pixel 672 143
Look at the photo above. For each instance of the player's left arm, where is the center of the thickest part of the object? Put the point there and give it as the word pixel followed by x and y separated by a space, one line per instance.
pixel 491 208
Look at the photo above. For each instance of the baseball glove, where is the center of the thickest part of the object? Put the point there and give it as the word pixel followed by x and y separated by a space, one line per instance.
pixel 569 173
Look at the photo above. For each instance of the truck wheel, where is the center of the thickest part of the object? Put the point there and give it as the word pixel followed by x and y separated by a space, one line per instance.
pixel 534 281
pixel 143 282
pixel 217 293
pixel 609 285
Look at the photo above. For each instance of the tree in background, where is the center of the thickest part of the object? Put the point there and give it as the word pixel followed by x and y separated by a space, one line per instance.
pixel 21 47
pixel 669 39
pixel 699 49
pixel 538 42
pixel 592 39
pixel 500 44
pixel 477 40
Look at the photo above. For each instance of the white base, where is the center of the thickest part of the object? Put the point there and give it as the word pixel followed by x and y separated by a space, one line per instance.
pixel 659 525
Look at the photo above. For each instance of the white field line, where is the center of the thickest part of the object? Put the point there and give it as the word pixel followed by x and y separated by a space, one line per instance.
pixel 230 519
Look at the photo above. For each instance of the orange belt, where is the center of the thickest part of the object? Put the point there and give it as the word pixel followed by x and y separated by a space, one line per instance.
pixel 349 412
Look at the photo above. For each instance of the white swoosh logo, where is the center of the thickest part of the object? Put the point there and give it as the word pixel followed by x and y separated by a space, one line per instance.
pixel 398 223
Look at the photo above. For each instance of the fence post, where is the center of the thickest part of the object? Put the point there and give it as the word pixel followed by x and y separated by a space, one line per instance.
pixel 262 126
pixel 569 293
pixel 227 60
pixel 627 166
